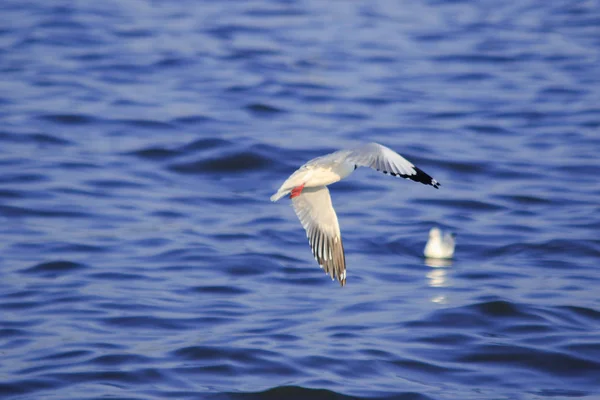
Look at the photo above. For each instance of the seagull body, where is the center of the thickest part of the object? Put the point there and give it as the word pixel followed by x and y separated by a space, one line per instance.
pixel 307 188
pixel 439 245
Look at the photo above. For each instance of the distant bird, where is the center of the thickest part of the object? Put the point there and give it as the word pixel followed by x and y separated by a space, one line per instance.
pixel 312 203
pixel 439 245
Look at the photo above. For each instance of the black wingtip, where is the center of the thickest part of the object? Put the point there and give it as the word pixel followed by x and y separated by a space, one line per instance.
pixel 418 176
pixel 422 177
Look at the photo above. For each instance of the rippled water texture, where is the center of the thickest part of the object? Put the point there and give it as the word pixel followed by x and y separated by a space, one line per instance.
pixel 141 257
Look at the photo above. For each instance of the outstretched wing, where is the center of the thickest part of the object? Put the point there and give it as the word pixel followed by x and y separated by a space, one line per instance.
pixel 313 208
pixel 381 158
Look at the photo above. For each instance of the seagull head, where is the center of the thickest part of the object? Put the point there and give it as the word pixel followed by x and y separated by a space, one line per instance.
pixel 435 233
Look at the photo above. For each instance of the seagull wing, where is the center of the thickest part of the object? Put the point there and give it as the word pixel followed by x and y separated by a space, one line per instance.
pixel 315 211
pixel 381 158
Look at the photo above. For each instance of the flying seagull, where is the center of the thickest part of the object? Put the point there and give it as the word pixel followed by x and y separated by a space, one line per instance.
pixel 310 197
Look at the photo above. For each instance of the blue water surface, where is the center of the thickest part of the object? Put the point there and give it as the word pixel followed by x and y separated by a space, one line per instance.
pixel 141 258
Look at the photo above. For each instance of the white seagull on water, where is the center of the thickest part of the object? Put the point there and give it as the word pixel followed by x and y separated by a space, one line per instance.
pixel 439 245
pixel 312 203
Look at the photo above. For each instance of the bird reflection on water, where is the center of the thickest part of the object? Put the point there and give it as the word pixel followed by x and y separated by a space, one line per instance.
pixel 438 277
